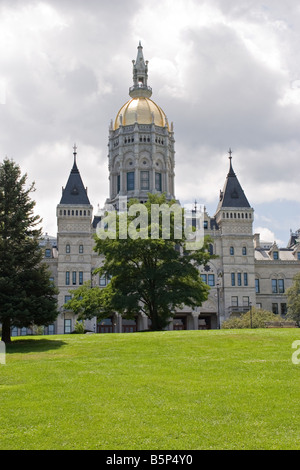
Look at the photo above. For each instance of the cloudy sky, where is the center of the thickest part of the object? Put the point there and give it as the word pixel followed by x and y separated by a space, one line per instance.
pixel 226 72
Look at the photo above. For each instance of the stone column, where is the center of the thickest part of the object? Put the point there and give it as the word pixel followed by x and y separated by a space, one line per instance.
pixel 195 320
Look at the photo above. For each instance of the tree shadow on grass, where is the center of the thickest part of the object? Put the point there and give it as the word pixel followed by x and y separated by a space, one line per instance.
pixel 23 346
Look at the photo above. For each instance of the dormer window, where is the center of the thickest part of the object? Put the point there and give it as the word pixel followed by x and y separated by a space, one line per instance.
pixel 275 255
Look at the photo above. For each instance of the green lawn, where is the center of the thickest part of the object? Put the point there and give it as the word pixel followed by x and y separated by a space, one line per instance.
pixel 185 390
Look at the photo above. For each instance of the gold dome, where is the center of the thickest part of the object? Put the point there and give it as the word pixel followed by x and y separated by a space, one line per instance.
pixel 141 110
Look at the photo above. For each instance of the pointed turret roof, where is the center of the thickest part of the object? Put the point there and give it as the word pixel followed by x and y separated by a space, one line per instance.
pixel 232 194
pixel 74 193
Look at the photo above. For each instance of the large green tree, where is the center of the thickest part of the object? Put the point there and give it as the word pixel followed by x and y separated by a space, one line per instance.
pixel 293 300
pixel 27 296
pixel 149 274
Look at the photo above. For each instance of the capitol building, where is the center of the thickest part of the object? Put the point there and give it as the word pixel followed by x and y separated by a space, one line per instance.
pixel 141 158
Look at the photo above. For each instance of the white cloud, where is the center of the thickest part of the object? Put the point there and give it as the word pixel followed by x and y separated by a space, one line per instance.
pixel 226 73
pixel 266 235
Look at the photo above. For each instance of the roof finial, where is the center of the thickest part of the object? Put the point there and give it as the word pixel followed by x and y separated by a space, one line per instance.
pixel 75 152
pixel 231 172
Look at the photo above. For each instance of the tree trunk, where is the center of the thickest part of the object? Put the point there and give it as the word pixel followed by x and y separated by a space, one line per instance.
pixel 157 322
pixel 6 330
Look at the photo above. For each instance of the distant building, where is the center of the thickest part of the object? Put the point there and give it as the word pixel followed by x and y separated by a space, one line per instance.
pixel 141 159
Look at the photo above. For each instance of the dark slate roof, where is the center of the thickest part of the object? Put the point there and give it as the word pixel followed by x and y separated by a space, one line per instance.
pixel 213 224
pixel 74 192
pixel 232 194
pixel 96 220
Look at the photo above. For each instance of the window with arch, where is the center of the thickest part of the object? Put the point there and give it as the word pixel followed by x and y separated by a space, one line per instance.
pixel 277 286
pixel 144 180
pixel 68 248
pixel 130 181
pixel 158 186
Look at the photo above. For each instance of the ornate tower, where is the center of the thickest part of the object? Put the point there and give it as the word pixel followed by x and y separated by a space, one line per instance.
pixel 141 144
pixel 234 217
pixel 74 242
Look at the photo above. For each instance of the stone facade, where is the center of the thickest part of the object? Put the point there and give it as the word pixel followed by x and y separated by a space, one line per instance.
pixel 141 159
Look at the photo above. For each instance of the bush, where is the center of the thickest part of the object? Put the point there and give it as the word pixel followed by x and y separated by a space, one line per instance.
pixel 259 319
pixel 79 328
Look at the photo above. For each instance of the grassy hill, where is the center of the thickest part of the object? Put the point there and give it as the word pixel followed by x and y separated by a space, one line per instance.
pixel 177 390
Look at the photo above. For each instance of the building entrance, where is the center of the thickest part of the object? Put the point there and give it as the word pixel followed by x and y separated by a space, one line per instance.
pixel 179 323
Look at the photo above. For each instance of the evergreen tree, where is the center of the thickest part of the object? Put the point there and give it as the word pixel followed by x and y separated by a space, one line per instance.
pixel 293 298
pixel 27 296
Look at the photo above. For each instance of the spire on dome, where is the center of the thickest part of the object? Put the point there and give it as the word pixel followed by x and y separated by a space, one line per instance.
pixel 140 76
